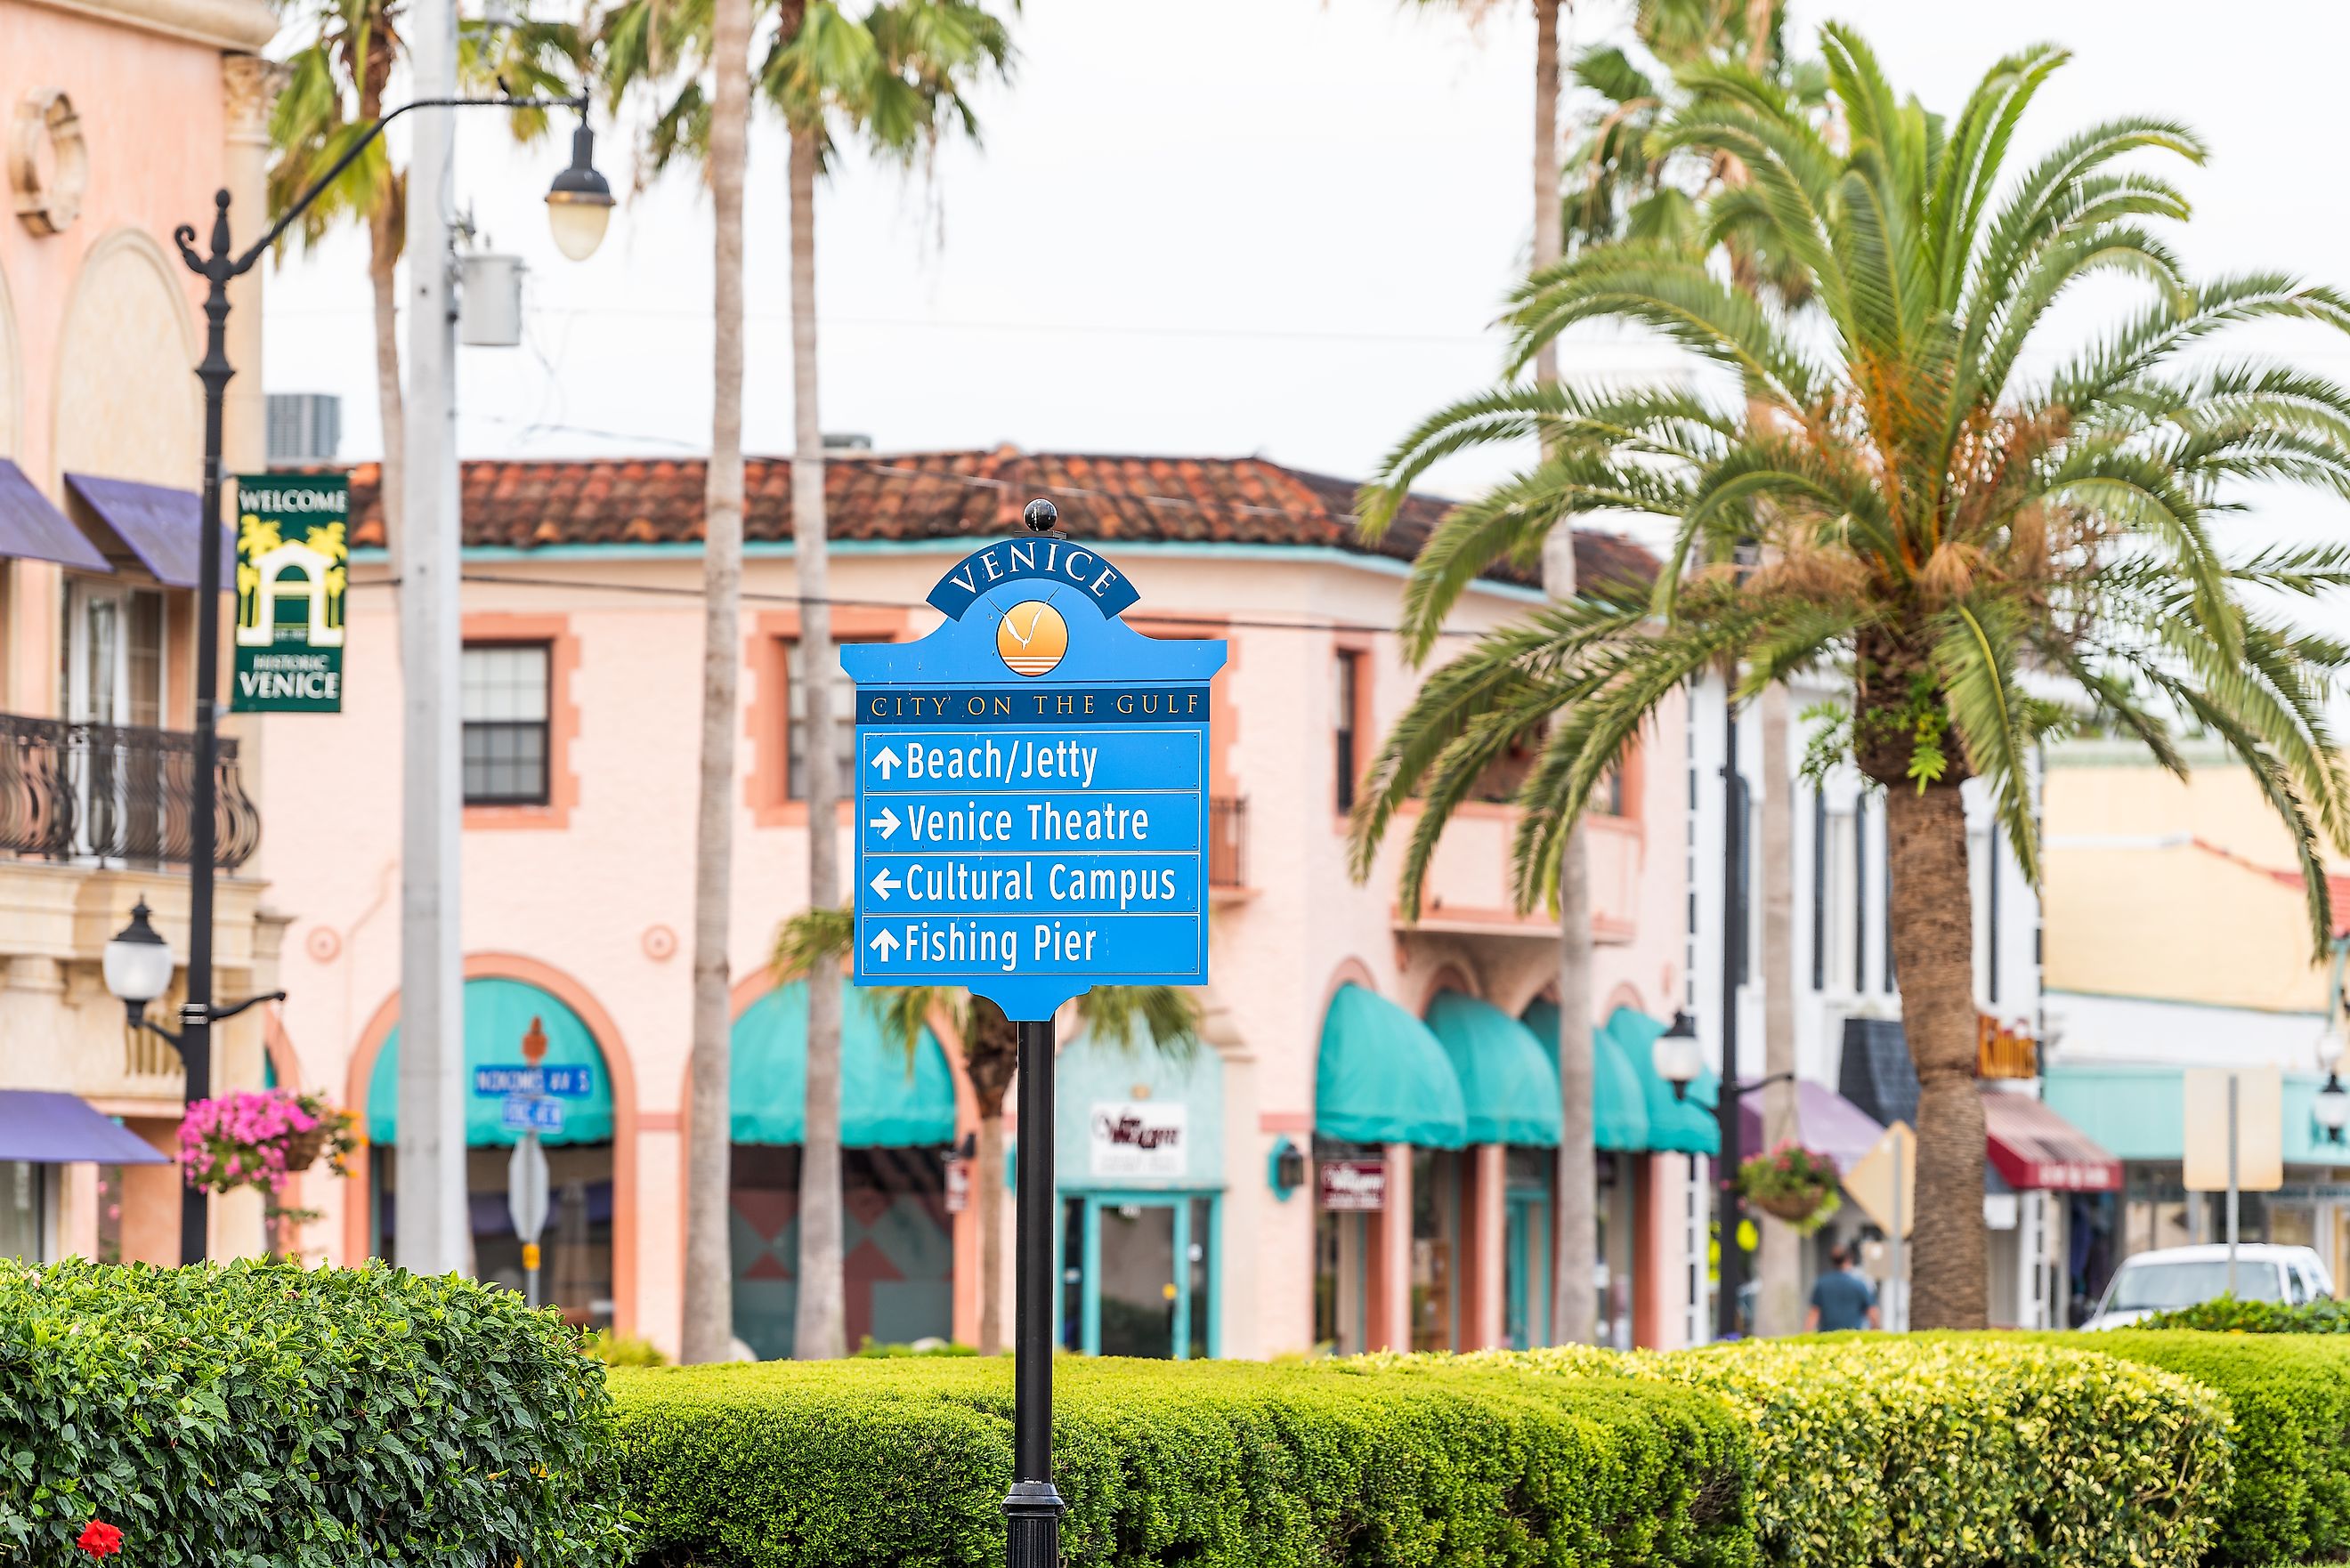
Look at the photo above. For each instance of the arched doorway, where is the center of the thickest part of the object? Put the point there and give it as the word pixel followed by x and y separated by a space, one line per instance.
pixel 897 1128
pixel 578 1253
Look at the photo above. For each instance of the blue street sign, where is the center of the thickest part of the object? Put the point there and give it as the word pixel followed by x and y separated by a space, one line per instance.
pixel 572 1082
pixel 532 1113
pixel 1032 788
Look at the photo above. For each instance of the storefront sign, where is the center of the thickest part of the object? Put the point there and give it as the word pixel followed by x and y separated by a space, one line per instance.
pixel 1031 778
pixel 2005 1053
pixel 1352 1186
pixel 293 558
pixel 1137 1137
pixel 958 1184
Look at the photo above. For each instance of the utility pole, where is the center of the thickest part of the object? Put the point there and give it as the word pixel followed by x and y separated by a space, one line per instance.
pixel 433 1216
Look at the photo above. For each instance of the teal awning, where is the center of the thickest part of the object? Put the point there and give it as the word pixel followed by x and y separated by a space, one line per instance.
pixel 497 1015
pixel 1509 1089
pixel 1682 1126
pixel 2140 1112
pixel 1382 1077
pixel 1619 1117
pixel 885 1101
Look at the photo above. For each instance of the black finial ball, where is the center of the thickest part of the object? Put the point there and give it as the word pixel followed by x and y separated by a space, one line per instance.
pixel 1041 516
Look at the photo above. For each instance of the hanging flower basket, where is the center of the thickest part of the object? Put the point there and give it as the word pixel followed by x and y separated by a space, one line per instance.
pixel 260 1139
pixel 1792 1183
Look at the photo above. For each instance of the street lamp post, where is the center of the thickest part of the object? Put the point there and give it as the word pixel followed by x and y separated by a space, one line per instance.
pixel 137 965
pixel 2332 1105
pixel 578 206
pixel 1679 1059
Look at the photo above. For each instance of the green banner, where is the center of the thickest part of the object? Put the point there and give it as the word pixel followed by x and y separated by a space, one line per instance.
pixel 293 560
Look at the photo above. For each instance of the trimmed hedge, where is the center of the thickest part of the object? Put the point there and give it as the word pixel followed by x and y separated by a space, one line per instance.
pixel 905 1462
pixel 1929 1452
pixel 2290 1395
pixel 2228 1315
pixel 265 1414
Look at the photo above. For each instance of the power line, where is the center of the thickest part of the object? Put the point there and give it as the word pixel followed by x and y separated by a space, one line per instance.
pixel 659 590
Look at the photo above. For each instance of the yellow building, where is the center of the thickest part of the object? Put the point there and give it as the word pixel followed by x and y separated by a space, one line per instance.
pixel 124 118
pixel 2177 935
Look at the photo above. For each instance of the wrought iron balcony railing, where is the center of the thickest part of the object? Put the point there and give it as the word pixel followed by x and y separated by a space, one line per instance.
pixel 1227 841
pixel 114 794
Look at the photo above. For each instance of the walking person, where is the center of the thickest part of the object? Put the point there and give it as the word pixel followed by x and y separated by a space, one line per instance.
pixel 1843 1298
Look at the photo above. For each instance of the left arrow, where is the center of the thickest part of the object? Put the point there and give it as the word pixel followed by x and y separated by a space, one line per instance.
pixel 883 883
pixel 885 944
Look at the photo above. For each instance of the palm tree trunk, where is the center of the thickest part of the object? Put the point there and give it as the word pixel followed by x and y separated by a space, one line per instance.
pixel 1933 950
pixel 1574 1307
pixel 709 1268
pixel 821 1328
pixel 383 254
pixel 987 1186
pixel 1779 1307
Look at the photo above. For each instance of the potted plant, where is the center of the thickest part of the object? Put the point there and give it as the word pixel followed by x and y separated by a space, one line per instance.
pixel 1792 1183
pixel 261 1138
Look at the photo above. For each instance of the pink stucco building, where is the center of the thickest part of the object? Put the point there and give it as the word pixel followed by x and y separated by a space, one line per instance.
pixel 583 632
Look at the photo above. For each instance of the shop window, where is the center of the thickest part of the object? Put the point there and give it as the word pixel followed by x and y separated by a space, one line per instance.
pixel 1435 1248
pixel 1346 699
pixel 503 695
pixel 23 1210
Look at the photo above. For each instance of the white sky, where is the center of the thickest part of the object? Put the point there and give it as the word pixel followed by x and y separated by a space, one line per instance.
pixel 1231 226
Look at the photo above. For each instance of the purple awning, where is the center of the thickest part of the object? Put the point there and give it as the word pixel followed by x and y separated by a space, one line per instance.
pixel 32 529
pixel 158 525
pixel 45 1128
pixel 1826 1123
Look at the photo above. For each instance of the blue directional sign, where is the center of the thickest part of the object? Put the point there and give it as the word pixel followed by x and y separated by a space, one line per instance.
pixel 1031 788
pixel 531 1113
pixel 572 1082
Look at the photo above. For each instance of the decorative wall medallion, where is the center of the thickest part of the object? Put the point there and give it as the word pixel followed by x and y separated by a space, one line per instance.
pixel 322 944
pixel 48 166
pixel 659 943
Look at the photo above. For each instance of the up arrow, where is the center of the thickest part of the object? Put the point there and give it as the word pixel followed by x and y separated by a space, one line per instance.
pixel 887 822
pixel 886 945
pixel 883 883
pixel 885 759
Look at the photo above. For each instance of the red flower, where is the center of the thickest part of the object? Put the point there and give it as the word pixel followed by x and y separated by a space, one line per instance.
pixel 100 1538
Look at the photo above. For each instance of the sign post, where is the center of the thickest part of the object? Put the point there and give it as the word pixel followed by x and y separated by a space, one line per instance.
pixel 1032 815
pixel 2235 1137
pixel 527 1201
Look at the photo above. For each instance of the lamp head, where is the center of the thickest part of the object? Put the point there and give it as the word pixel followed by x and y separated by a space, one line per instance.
pixel 1677 1056
pixel 579 203
pixel 2333 1108
pixel 138 962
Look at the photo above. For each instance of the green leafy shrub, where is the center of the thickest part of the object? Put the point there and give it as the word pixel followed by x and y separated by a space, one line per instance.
pixel 873 1350
pixel 2289 1395
pixel 905 1462
pixel 623 1349
pixel 2228 1315
pixel 1946 1451
pixel 265 1414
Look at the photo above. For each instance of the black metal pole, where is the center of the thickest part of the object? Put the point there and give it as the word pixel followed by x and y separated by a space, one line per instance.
pixel 1733 953
pixel 196 1015
pixel 1033 1509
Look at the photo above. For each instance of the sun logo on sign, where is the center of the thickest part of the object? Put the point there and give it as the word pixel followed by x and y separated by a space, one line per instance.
pixel 1032 637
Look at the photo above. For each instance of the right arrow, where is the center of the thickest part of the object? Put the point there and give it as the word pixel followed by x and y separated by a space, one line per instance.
pixel 883 883
pixel 887 822
pixel 886 760
pixel 885 944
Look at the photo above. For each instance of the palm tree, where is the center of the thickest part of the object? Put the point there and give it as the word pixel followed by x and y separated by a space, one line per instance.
pixel 334 91
pixel 1953 517
pixel 895 78
pixel 1617 183
pixel 1114 1017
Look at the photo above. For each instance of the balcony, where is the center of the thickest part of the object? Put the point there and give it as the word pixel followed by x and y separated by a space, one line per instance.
pixel 115 794
pixel 1227 842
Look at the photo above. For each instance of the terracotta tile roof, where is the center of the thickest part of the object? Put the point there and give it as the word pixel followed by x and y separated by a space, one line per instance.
pixel 525 503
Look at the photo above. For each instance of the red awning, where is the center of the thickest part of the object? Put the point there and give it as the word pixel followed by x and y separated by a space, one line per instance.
pixel 2033 1147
